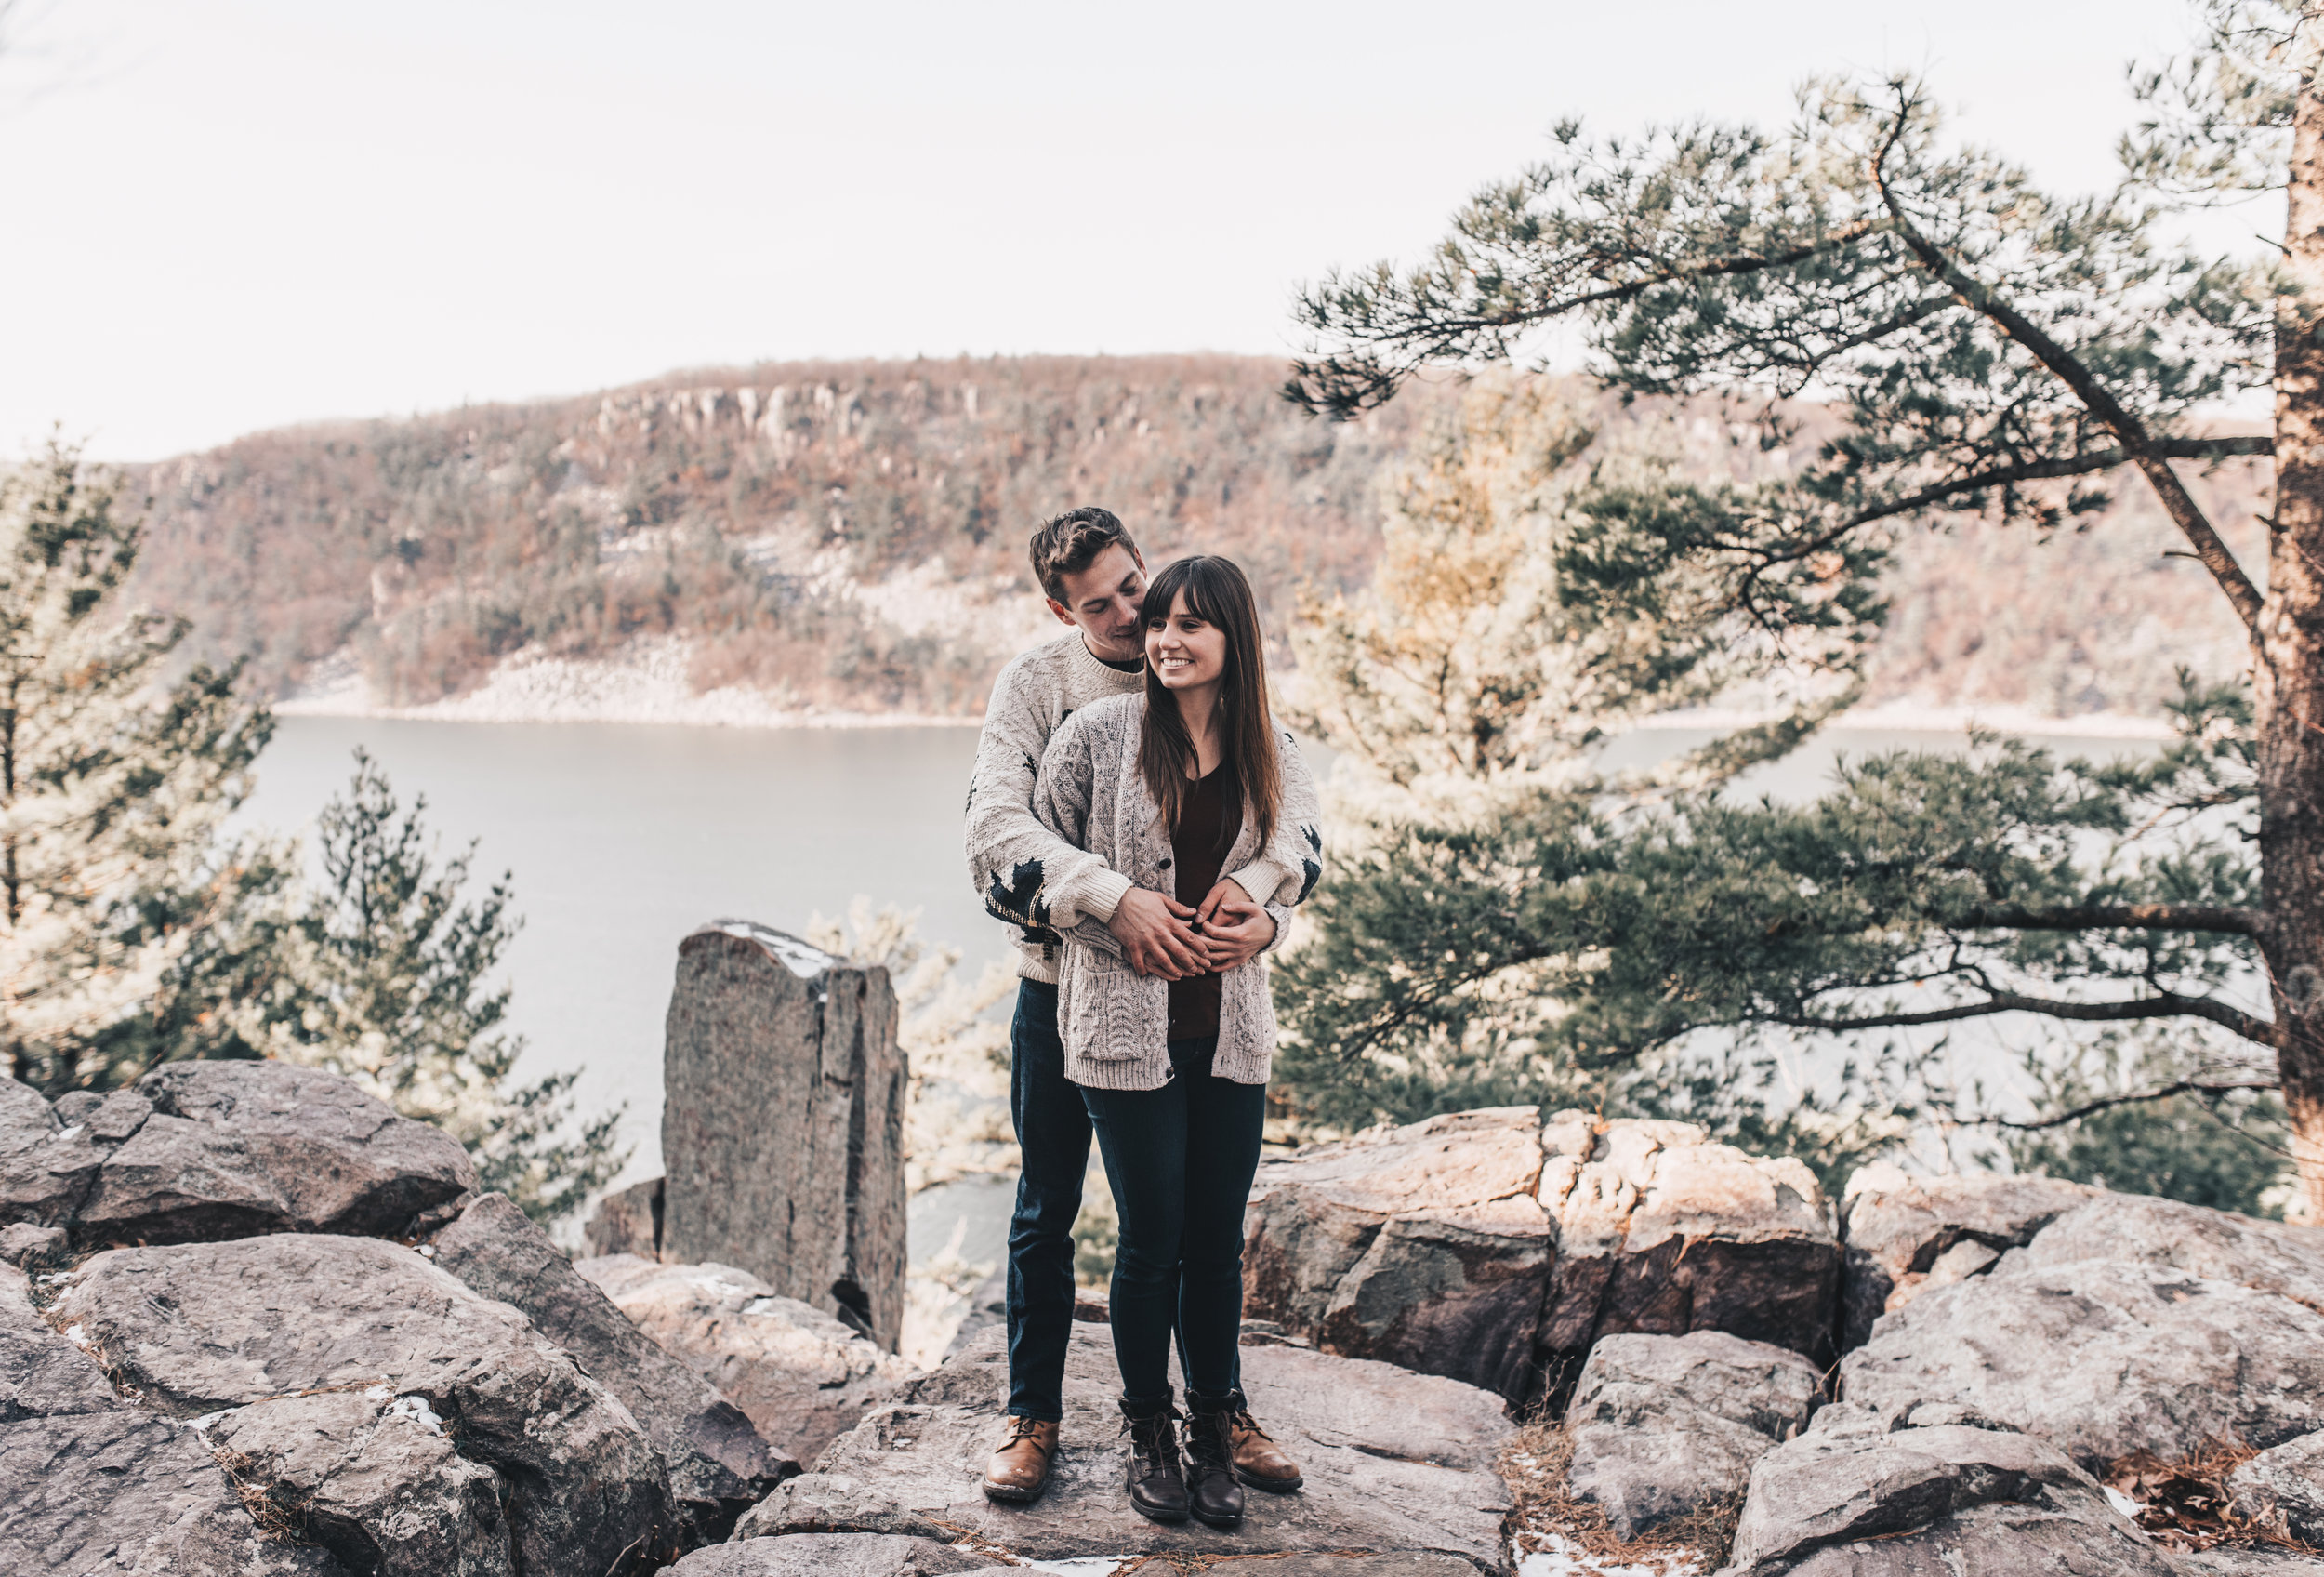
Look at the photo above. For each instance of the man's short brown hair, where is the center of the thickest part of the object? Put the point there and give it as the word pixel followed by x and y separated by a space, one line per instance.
pixel 1072 542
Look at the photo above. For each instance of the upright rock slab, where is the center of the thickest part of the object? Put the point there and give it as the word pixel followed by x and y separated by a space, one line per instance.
pixel 201 1328
pixel 718 1465
pixel 1422 1246
pixel 800 1374
pixel 783 1123
pixel 1905 1235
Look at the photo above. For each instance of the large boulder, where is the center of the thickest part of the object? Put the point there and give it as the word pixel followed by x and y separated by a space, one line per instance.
pixel 2267 1256
pixel 1852 1498
pixel 2102 1359
pixel 801 1375
pixel 719 1463
pixel 824 1502
pixel 1422 1246
pixel 113 1494
pixel 1394 1462
pixel 200 1151
pixel 1665 1426
pixel 196 1330
pixel 374 1478
pixel 1905 1235
pixel 1490 1247
pixel 1661 1231
pixel 95 1484
pixel 783 1123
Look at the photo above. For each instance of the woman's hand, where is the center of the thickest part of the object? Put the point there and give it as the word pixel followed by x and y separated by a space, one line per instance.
pixel 1234 929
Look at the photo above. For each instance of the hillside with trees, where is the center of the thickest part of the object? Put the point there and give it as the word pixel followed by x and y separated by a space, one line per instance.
pixel 848 536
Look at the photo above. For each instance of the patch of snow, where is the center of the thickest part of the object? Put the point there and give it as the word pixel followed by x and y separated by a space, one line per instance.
pixel 417 1410
pixel 1565 1558
pixel 427 1250
pixel 76 1335
pixel 802 959
pixel 2122 1502
pixel 199 1424
pixel 71 1132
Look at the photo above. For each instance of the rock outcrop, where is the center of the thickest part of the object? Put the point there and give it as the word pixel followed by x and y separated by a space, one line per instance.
pixel 832 1554
pixel 1907 1235
pixel 783 1123
pixel 95 1484
pixel 256 1326
pixel 1487 1247
pixel 719 1463
pixel 1853 1497
pixel 2102 1359
pixel 1394 1462
pixel 200 1151
pixel 1666 1427
pixel 627 1221
pixel 801 1375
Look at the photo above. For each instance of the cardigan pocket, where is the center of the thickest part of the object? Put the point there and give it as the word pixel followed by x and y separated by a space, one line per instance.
pixel 1098 1002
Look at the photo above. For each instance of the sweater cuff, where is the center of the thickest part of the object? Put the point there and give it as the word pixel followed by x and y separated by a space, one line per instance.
pixel 1096 895
pixel 1262 879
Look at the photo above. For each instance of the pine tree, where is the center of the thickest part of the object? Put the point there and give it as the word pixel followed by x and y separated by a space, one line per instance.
pixel 386 977
pixel 1986 347
pixel 128 921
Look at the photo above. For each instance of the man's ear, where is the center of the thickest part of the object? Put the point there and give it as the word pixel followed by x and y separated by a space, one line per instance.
pixel 1059 609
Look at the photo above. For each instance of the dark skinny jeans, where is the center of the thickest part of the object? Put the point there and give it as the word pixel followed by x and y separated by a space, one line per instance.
pixel 1181 1160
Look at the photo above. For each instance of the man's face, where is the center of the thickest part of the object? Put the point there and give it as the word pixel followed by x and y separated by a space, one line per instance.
pixel 1104 601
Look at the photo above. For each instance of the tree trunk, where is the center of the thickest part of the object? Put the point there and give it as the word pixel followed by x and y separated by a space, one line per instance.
pixel 2288 651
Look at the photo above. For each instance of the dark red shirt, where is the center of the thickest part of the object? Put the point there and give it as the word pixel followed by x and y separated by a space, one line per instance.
pixel 1208 823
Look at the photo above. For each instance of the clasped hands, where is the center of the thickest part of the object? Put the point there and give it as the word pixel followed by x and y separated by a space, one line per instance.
pixel 1160 935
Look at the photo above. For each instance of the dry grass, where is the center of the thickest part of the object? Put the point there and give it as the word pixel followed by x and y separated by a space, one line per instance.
pixel 1533 1465
pixel 276 1520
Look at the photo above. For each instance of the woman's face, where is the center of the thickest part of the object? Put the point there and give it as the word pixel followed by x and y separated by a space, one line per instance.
pixel 1184 649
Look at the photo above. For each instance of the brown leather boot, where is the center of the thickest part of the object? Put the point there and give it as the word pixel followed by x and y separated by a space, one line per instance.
pixel 1259 1462
pixel 1019 1471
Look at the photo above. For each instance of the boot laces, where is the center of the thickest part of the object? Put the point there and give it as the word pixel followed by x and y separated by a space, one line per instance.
pixel 1244 1420
pixel 1153 1440
pixel 1019 1428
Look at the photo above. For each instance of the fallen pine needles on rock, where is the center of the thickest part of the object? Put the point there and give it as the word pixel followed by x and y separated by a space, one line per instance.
pixel 1548 1519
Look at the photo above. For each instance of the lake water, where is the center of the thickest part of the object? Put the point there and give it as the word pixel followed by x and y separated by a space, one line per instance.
pixel 623 837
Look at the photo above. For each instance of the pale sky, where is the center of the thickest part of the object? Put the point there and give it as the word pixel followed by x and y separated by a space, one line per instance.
pixel 227 215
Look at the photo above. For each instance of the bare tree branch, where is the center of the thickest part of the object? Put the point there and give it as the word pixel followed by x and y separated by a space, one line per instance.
pixel 2166 1005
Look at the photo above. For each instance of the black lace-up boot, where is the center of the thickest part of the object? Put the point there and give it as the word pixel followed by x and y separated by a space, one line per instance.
pixel 1213 1492
pixel 1158 1484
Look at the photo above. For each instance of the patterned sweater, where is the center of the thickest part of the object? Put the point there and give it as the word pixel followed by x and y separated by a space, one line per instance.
pixel 1026 873
pixel 1113 1021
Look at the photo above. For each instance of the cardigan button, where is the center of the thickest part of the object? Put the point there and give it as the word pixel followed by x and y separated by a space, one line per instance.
pixel 1163 866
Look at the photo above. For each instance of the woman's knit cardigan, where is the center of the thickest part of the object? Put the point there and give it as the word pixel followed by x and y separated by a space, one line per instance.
pixel 1114 1022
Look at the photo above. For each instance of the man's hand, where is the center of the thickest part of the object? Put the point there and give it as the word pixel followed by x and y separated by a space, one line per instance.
pixel 1156 936
pixel 1234 929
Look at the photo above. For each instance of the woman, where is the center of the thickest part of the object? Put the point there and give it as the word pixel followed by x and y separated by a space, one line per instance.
pixel 1173 786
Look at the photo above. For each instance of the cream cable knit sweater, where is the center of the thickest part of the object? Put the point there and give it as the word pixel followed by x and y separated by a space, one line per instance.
pixel 1026 873
pixel 1114 1023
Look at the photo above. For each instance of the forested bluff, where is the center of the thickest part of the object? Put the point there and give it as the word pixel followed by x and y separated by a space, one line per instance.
pixel 846 538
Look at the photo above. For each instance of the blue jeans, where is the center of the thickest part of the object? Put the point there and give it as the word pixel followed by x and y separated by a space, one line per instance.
pixel 1180 1160
pixel 1053 1133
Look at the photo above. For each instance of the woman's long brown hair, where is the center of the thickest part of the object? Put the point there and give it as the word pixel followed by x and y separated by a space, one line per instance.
pixel 1217 593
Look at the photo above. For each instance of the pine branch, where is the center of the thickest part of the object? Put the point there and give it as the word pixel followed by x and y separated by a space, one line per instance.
pixel 2165 1005
pixel 2140 446
pixel 2119 916
pixel 2108 1103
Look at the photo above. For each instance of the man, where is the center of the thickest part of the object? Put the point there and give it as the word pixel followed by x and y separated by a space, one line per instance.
pixel 1095 580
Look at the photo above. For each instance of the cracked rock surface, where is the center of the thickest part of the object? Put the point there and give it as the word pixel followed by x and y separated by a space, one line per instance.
pixel 1394 1462
pixel 199 1329
pixel 1663 1427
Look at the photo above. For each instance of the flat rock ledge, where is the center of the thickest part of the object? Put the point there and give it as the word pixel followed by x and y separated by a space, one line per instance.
pixel 1399 1466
